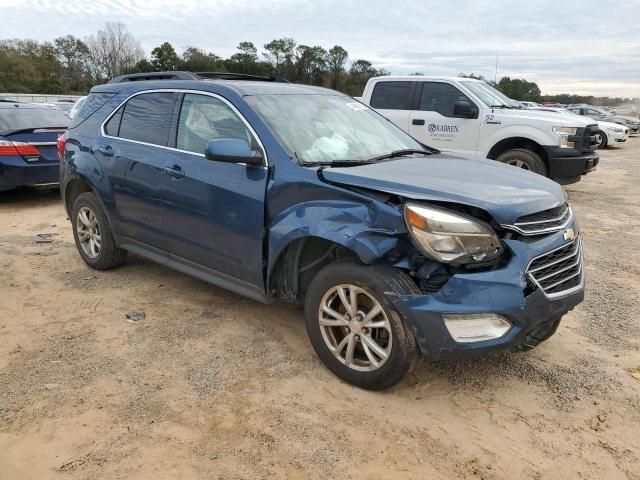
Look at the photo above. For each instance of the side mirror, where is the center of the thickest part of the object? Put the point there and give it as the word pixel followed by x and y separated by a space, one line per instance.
pixel 233 151
pixel 464 109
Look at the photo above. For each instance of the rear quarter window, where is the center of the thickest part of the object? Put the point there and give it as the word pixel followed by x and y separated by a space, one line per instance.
pixel 91 104
pixel 392 95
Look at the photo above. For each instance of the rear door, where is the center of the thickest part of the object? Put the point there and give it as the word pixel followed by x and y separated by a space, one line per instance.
pixel 434 124
pixel 134 147
pixel 393 99
pixel 214 215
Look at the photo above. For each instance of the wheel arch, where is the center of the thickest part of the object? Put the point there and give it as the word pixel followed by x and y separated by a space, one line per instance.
pixel 518 142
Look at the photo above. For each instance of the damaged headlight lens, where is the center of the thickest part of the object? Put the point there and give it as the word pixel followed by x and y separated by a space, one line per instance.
pixel 449 237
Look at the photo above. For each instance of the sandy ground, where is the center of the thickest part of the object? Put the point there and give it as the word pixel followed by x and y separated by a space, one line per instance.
pixel 213 386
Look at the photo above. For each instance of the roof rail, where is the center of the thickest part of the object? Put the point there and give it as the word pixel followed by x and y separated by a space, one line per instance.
pixel 138 77
pixel 240 76
pixel 183 75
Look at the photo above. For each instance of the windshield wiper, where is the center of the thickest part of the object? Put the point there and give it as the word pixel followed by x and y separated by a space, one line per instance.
pixel 399 153
pixel 337 163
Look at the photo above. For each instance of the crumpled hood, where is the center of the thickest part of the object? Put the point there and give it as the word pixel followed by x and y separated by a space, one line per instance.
pixel 505 192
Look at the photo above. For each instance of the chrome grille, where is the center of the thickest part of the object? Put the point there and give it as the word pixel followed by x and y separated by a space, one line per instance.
pixel 558 272
pixel 540 223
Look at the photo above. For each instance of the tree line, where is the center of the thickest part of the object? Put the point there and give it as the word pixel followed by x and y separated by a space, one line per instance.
pixel 69 65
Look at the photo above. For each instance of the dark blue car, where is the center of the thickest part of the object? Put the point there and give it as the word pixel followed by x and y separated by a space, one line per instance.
pixel 291 192
pixel 28 135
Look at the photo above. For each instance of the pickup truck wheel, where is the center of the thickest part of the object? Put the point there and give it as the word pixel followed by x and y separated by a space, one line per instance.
pixel 601 139
pixel 525 159
pixel 92 234
pixel 354 328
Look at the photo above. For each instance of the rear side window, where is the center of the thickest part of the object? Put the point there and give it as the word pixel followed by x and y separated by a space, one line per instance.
pixel 147 118
pixel 112 127
pixel 392 95
pixel 91 104
pixel 440 97
pixel 205 118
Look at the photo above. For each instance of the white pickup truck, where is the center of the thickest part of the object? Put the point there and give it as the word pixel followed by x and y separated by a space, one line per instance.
pixel 470 117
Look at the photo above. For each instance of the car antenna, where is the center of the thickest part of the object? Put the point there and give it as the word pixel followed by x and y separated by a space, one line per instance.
pixel 495 84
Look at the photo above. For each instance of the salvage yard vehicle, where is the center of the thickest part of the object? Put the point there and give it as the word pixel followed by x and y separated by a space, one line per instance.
pixel 28 134
pixel 633 124
pixel 470 117
pixel 608 133
pixel 290 192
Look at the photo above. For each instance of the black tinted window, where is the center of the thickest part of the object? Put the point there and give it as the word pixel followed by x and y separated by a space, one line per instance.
pixel 147 118
pixel 21 117
pixel 90 105
pixel 205 118
pixel 392 95
pixel 440 97
pixel 112 127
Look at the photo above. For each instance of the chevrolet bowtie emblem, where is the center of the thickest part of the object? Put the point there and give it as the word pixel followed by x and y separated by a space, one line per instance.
pixel 569 234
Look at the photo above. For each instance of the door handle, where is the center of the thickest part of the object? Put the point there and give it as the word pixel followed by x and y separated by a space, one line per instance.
pixel 174 172
pixel 106 150
pixel 417 121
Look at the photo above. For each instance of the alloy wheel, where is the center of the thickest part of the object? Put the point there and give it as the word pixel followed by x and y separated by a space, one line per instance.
pixel 355 327
pixel 88 232
pixel 519 163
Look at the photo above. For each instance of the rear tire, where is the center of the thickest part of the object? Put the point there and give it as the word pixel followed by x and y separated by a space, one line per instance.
pixel 601 139
pixel 382 348
pixel 93 236
pixel 525 159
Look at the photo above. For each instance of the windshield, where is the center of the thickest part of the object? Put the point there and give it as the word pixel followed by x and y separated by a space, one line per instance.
pixel 19 118
pixel 488 95
pixel 329 128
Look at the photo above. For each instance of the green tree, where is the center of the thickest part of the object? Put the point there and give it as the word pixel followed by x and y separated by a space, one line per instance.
pixel 519 89
pixel 311 64
pixel 164 58
pixel 280 53
pixel 197 60
pixel 336 59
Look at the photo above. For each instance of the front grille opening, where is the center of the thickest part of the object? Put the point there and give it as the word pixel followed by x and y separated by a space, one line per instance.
pixel 542 223
pixel 558 271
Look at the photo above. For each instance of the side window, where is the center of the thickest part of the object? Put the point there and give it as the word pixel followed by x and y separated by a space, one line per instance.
pixel 392 95
pixel 147 118
pixel 576 111
pixel 112 127
pixel 204 118
pixel 441 97
pixel 593 113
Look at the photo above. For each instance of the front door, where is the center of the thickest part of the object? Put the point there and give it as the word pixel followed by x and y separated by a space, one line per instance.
pixel 214 213
pixel 434 124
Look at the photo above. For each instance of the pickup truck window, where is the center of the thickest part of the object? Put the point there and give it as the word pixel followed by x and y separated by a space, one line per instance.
pixel 323 129
pixel 488 95
pixel 440 97
pixel 147 118
pixel 392 95
pixel 204 118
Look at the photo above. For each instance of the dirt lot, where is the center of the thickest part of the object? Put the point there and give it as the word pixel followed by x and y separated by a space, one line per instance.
pixel 212 386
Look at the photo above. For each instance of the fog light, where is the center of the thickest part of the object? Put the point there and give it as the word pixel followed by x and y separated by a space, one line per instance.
pixel 475 327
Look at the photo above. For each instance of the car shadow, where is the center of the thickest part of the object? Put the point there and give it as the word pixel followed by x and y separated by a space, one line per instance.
pixel 29 197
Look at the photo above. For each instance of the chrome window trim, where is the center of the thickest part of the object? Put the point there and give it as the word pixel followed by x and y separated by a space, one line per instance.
pixel 563 293
pixel 541 231
pixel 41 144
pixel 178 90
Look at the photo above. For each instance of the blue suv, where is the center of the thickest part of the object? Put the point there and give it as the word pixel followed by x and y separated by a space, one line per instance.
pixel 281 191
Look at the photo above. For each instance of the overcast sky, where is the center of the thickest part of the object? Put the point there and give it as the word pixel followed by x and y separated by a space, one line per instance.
pixel 587 47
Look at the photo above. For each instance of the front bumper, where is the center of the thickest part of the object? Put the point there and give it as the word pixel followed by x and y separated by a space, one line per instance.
pixel 16 172
pixel 534 316
pixel 567 163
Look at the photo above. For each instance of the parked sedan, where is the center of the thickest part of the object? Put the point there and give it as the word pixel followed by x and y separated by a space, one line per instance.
pixel 633 124
pixel 28 154
pixel 609 133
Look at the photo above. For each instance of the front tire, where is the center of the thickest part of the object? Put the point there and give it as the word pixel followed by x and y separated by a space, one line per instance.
pixel 93 236
pixel 354 328
pixel 525 159
pixel 601 139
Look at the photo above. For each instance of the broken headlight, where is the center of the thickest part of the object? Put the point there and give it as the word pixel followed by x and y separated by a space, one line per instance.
pixel 450 237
